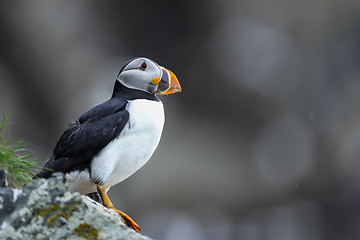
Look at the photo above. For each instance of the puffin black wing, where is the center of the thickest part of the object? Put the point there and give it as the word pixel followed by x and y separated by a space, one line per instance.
pixel 83 139
pixel 102 110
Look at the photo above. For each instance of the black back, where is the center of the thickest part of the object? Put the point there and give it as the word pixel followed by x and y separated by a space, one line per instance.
pixel 96 128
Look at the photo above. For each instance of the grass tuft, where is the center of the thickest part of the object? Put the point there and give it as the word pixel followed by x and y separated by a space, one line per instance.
pixel 16 159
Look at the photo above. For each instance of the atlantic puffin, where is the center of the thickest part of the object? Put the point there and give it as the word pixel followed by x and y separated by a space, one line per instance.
pixel 111 141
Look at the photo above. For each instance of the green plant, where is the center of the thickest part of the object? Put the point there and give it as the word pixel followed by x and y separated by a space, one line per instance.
pixel 15 159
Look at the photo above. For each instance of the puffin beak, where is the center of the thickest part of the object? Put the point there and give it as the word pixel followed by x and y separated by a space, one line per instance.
pixel 168 83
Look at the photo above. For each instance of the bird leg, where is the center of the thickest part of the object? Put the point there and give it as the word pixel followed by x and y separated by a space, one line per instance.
pixel 107 203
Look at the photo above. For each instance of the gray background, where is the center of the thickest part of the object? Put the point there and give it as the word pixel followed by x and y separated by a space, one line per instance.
pixel 263 143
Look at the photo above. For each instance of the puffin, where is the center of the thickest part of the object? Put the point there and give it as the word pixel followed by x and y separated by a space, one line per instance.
pixel 114 139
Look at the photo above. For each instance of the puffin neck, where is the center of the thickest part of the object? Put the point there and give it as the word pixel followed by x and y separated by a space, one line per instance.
pixel 131 94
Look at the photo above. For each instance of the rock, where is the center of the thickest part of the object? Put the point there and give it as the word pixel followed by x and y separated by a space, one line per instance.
pixel 43 209
pixel 3 178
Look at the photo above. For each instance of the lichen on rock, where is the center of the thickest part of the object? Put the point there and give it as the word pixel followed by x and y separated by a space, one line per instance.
pixel 43 209
pixel 85 230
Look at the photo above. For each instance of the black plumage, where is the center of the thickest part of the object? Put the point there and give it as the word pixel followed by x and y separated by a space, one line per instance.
pixel 96 128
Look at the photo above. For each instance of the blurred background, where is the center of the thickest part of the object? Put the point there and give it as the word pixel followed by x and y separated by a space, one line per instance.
pixel 263 143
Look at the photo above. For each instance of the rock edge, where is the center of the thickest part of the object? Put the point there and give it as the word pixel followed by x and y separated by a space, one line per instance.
pixel 43 209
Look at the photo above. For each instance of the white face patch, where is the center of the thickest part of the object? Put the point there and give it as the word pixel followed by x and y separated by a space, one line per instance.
pixel 134 76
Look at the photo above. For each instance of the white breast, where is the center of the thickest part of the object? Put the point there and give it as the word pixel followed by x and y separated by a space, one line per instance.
pixel 131 150
pixel 135 145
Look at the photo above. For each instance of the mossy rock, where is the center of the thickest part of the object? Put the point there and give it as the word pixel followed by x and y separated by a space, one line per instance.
pixel 43 209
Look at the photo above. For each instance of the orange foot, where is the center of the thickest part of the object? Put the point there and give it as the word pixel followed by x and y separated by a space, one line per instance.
pixel 107 203
pixel 128 221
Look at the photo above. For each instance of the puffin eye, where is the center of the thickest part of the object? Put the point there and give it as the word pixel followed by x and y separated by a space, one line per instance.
pixel 143 66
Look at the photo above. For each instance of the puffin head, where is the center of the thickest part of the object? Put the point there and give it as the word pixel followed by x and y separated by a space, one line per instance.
pixel 146 75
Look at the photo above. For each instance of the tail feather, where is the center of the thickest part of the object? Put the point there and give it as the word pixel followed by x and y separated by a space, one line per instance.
pixel 47 170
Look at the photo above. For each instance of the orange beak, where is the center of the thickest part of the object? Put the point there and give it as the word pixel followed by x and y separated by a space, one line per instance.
pixel 168 83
